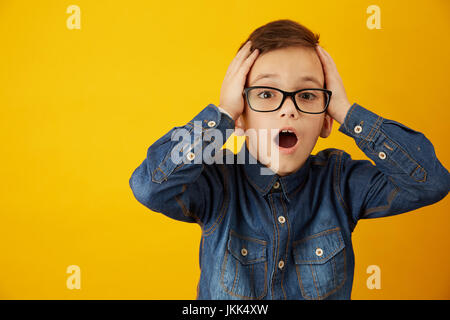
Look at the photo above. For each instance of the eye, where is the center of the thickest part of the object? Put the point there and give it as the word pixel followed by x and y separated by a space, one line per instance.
pixel 265 94
pixel 307 95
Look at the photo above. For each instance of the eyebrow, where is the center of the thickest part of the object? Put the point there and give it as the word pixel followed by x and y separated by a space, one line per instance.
pixel 274 75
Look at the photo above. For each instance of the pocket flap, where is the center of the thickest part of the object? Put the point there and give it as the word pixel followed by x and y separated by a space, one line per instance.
pixel 318 248
pixel 246 249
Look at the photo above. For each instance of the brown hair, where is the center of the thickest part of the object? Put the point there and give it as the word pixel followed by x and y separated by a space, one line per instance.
pixel 281 34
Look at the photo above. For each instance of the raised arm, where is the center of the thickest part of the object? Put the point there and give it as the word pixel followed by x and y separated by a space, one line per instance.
pixel 182 179
pixel 174 179
pixel 407 174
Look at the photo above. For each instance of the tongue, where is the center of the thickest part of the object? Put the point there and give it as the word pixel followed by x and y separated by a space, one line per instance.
pixel 287 140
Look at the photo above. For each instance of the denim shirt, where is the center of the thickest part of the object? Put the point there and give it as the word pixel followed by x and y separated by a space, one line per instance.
pixel 287 237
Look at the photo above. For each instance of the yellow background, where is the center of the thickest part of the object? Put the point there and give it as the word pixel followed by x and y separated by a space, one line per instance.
pixel 79 108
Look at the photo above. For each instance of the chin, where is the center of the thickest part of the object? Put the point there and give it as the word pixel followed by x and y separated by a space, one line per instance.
pixel 287 167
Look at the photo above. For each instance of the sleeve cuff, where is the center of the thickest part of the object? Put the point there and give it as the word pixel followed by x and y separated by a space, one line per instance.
pixel 225 112
pixel 210 126
pixel 360 123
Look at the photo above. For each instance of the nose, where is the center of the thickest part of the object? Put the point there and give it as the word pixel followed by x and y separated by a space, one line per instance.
pixel 288 109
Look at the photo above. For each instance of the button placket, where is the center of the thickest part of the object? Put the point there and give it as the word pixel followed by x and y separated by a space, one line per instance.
pixel 280 244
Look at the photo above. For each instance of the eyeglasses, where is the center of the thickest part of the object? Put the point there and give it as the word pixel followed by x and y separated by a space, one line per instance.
pixel 268 99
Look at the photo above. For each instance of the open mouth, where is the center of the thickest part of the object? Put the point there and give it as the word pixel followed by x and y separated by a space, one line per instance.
pixel 286 138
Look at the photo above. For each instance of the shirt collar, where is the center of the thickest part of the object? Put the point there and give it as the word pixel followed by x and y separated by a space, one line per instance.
pixel 257 175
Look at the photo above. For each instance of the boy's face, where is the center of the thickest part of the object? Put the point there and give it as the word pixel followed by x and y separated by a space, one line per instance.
pixel 288 66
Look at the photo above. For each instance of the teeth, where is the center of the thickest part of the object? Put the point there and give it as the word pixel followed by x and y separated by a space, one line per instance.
pixel 287 130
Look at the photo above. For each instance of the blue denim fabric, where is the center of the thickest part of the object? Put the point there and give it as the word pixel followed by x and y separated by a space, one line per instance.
pixel 247 251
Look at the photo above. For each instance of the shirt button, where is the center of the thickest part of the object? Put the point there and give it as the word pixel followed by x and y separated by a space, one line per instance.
pixel 244 252
pixel 281 264
pixel 190 156
pixel 319 252
pixel 276 185
pixel 281 219
pixel 382 155
pixel 358 129
pixel 211 123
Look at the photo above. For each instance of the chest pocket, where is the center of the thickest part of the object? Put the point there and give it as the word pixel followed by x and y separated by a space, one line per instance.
pixel 244 267
pixel 320 263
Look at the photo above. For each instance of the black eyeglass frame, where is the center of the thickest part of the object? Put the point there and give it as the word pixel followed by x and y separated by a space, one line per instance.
pixel 287 94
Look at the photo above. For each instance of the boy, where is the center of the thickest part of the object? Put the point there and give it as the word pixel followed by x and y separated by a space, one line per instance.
pixel 285 235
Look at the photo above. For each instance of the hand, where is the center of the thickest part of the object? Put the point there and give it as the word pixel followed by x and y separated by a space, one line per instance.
pixel 339 104
pixel 231 98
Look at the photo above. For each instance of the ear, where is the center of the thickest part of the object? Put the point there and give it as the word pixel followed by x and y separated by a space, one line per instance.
pixel 327 126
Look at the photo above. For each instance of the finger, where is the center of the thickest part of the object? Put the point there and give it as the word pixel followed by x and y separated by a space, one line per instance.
pixel 250 60
pixel 332 64
pixel 326 53
pixel 327 72
pixel 329 65
pixel 245 48
pixel 240 57
pixel 239 54
pixel 245 67
pixel 323 58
